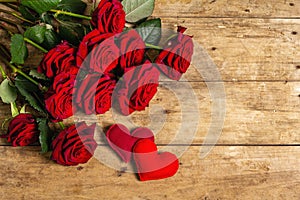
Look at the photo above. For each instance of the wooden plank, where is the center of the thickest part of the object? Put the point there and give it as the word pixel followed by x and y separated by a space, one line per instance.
pixel 239 172
pixel 256 113
pixel 224 8
pixel 244 49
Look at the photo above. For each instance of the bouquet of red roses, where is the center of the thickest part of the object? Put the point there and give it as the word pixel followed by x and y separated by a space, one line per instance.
pixel 112 59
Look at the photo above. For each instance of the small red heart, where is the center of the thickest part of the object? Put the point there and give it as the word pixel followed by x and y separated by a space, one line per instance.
pixel 152 165
pixel 120 140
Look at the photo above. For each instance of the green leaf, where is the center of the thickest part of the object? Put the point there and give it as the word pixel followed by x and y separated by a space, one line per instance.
pixel 23 109
pixel 51 39
pixel 28 13
pixel 72 32
pixel 31 93
pixel 45 134
pixel 34 73
pixel 36 33
pixel 150 31
pixel 8 92
pixel 40 6
pixel 74 6
pixel 18 49
pixel 14 109
pixel 137 9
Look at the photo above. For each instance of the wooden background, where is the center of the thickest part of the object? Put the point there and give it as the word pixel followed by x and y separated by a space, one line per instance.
pixel 256 46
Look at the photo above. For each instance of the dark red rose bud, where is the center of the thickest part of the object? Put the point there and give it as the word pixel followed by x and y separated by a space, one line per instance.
pixel 175 58
pixel 59 59
pixel 93 94
pixel 89 42
pixel 109 17
pixel 136 88
pixel 22 130
pixel 58 99
pixel 132 49
pixel 74 145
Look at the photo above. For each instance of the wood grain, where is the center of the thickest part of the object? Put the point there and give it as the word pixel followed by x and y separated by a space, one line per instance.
pixel 256 113
pixel 239 172
pixel 255 47
pixel 224 8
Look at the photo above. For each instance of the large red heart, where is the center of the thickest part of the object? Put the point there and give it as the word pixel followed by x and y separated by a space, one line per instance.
pixel 152 165
pixel 120 140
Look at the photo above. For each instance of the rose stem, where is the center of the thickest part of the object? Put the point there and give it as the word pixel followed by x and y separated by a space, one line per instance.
pixel 35 45
pixel 61 125
pixel 17 70
pixel 3 72
pixel 60 12
pixel 153 46
pixel 15 15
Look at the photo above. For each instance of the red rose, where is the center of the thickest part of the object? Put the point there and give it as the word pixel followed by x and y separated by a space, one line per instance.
pixel 175 59
pixel 91 40
pixel 93 94
pixel 22 130
pixel 59 59
pixel 74 145
pixel 58 99
pixel 104 58
pixel 109 17
pixel 136 88
pixel 132 49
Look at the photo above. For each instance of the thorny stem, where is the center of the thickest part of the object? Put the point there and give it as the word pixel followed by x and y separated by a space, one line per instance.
pixel 153 46
pixel 35 45
pixel 19 71
pixel 60 12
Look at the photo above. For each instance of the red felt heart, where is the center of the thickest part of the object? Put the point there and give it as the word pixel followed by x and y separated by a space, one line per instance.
pixel 120 140
pixel 152 165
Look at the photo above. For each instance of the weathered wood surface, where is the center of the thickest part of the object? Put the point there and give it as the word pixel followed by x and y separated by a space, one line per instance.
pixel 225 8
pixel 256 113
pixel 255 46
pixel 227 173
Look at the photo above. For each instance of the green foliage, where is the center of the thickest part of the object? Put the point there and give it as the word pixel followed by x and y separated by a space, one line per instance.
pixel 150 31
pixel 18 49
pixel 137 10
pixel 31 93
pixel 40 6
pixel 36 33
pixel 45 134
pixel 74 6
pixel 34 73
pixel 8 91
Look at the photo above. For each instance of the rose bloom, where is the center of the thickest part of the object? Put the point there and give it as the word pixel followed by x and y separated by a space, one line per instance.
pixel 59 59
pixel 22 130
pixel 93 94
pixel 136 88
pixel 88 43
pixel 74 145
pixel 132 49
pixel 104 58
pixel 175 58
pixel 58 99
pixel 109 17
